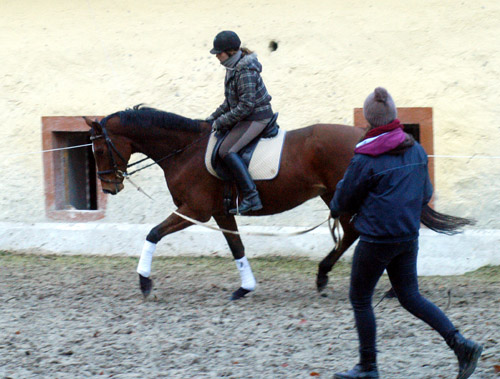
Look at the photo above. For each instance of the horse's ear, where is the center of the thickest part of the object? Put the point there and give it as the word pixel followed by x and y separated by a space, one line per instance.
pixel 93 124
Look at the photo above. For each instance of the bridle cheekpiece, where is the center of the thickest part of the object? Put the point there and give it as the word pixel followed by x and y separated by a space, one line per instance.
pixel 119 174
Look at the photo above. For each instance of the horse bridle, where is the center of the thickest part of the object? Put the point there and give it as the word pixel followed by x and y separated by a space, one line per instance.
pixel 119 174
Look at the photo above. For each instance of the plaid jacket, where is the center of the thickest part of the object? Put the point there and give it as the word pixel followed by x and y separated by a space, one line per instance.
pixel 246 96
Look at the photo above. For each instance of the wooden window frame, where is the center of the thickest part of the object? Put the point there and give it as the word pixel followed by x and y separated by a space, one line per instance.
pixel 50 126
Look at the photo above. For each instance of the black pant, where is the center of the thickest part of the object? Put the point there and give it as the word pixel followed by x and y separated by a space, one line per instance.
pixel 400 260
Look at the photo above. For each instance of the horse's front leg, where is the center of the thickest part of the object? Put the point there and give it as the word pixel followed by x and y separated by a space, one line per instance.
pixel 248 282
pixel 172 224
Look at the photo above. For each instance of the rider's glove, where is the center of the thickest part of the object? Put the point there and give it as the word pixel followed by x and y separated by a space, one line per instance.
pixel 217 127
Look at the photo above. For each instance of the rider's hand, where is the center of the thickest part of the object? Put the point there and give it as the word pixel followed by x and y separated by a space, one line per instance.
pixel 217 127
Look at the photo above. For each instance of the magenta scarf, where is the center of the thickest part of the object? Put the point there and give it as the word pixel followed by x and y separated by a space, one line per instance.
pixel 381 139
pixel 383 129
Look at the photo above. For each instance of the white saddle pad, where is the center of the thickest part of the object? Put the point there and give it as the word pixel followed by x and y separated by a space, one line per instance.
pixel 266 158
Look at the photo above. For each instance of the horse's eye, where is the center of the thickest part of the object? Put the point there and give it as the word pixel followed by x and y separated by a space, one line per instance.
pixel 98 152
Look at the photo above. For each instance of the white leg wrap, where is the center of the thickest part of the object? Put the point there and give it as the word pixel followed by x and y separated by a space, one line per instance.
pixel 247 279
pixel 144 266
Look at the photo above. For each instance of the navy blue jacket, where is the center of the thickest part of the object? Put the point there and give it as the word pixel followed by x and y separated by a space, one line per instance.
pixel 387 193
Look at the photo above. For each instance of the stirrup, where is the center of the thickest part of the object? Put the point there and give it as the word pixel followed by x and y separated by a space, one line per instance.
pixel 248 204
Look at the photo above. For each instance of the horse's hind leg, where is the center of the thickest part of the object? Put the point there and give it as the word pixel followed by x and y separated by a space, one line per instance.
pixel 350 235
pixel 248 282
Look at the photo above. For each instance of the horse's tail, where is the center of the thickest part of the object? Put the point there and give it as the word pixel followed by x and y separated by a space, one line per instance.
pixel 443 223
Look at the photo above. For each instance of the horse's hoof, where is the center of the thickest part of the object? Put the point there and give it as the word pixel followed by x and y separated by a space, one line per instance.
pixel 239 293
pixel 146 285
pixel 321 282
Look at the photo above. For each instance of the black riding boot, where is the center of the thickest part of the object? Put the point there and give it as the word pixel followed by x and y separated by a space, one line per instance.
pixel 361 370
pixel 251 200
pixel 467 352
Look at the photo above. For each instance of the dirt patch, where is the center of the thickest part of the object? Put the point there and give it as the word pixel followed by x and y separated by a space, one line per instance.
pixel 72 317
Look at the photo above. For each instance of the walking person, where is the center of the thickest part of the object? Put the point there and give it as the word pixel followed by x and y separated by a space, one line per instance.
pixel 387 185
pixel 245 112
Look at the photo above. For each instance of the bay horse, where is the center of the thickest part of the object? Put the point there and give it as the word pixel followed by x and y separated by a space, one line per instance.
pixel 313 161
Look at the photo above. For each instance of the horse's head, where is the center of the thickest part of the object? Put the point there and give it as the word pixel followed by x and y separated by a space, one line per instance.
pixel 111 153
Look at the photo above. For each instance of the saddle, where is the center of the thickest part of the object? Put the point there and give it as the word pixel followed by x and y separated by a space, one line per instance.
pixel 246 153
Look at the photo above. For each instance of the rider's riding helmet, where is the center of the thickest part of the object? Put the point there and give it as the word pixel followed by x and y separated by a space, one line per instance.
pixel 225 41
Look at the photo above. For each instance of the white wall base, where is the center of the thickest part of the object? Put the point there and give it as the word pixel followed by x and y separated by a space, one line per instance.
pixel 439 254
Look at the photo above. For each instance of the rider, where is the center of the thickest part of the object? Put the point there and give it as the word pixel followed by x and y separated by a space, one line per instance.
pixel 245 112
pixel 386 185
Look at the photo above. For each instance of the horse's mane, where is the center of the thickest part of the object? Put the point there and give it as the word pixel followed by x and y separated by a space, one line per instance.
pixel 147 117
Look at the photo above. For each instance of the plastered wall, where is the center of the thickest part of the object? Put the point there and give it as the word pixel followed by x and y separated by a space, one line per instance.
pixel 87 57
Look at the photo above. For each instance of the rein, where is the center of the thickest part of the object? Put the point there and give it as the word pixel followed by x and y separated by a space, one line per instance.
pixel 122 174
pixel 333 227
pixel 267 234
pixel 167 156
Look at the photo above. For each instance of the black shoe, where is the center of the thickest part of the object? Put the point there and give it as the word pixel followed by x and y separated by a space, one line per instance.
pixel 467 352
pixel 359 371
pixel 251 200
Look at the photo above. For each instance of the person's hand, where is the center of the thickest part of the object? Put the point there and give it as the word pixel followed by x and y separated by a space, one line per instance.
pixel 333 209
pixel 217 127
pixel 334 213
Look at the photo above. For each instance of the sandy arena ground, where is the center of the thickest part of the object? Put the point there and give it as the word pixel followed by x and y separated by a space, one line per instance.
pixel 73 317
